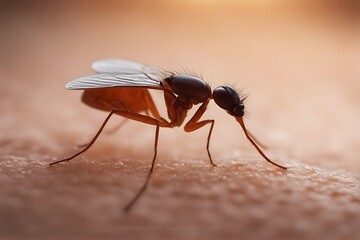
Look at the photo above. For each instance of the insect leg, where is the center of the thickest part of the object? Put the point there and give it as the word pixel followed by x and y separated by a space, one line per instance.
pixel 152 121
pixel 140 118
pixel 151 105
pixel 257 141
pixel 143 188
pixel 194 124
pixel 91 142
pixel 170 101
pixel 135 116
pixel 117 127
pixel 240 120
pixel 111 131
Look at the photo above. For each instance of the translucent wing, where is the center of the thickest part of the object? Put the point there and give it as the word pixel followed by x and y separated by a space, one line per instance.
pixel 105 80
pixel 119 73
pixel 122 66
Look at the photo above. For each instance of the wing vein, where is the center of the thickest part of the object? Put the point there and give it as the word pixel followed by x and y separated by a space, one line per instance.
pixel 120 73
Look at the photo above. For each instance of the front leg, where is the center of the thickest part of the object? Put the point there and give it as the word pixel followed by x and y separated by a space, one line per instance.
pixel 194 124
pixel 170 99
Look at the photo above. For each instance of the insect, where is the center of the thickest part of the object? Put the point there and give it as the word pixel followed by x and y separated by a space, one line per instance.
pixel 120 87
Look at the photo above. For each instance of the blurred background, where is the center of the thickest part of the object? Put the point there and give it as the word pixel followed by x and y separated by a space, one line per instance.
pixel 297 60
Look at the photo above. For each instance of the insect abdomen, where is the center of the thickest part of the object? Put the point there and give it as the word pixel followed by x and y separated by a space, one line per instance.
pixel 124 98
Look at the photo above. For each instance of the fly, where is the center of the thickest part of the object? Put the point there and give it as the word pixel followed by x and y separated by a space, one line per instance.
pixel 121 87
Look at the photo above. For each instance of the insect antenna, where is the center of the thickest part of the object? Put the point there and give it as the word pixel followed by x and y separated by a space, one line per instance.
pixel 253 142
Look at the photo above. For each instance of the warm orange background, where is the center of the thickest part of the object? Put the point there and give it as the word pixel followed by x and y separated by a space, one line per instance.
pixel 298 62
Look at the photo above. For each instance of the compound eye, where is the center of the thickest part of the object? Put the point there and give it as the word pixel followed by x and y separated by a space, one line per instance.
pixel 239 110
pixel 226 98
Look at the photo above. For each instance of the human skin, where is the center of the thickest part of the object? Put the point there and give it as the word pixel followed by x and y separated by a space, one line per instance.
pixel 302 103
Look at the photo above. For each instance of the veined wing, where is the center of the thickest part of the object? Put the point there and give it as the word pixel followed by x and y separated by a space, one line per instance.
pixel 104 80
pixel 122 66
pixel 120 73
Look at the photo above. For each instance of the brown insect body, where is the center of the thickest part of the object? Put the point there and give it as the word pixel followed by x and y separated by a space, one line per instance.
pixel 121 88
pixel 127 99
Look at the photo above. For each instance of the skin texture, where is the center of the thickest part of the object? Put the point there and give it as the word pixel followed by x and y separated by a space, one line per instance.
pixel 299 67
